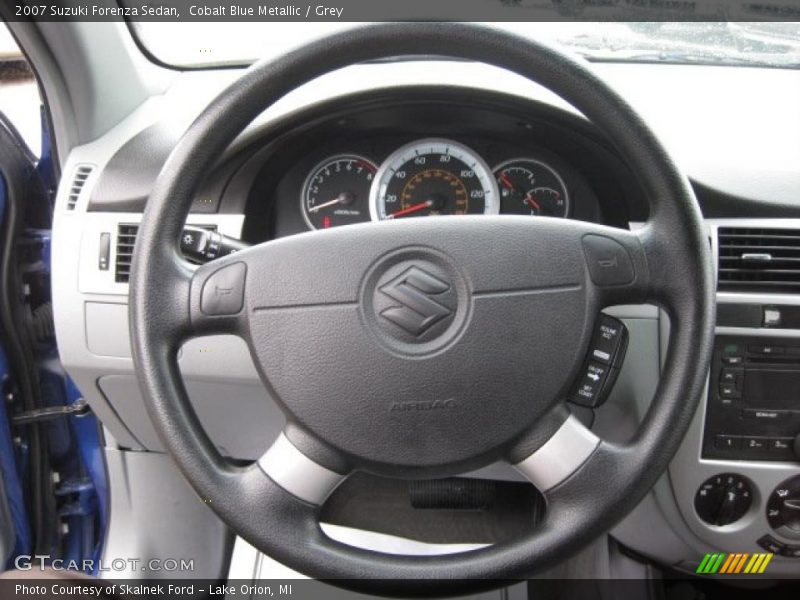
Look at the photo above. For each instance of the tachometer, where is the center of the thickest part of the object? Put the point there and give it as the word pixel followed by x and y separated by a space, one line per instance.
pixel 336 191
pixel 530 187
pixel 433 177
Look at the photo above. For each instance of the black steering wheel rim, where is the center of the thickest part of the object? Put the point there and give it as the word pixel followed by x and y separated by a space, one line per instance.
pixel 670 254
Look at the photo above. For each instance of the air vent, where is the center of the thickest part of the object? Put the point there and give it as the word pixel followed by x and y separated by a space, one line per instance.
pixel 753 259
pixel 126 238
pixel 81 175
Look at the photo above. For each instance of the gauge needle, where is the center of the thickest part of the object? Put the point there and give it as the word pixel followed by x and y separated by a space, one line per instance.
pixel 506 181
pixel 319 207
pixel 410 209
pixel 531 201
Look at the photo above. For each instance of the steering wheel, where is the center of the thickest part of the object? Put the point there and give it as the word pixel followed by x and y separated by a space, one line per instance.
pixel 495 313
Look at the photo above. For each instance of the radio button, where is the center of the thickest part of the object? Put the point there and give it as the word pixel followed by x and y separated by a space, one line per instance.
pixel 781 447
pixel 728 442
pixel 765 349
pixel 727 390
pixel 730 376
pixel 754 443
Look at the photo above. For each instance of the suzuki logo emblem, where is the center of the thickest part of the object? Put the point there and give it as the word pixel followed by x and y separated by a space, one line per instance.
pixel 415 290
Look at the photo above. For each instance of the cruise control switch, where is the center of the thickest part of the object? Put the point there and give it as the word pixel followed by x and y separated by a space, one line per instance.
pixel 602 364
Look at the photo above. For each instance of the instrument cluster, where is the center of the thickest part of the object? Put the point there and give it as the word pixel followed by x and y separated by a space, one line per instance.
pixel 429 177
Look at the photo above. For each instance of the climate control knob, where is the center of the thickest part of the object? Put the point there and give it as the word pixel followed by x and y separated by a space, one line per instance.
pixel 723 499
pixel 783 508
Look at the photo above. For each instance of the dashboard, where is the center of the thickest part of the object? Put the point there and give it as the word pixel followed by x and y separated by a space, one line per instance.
pixel 419 151
pixel 413 151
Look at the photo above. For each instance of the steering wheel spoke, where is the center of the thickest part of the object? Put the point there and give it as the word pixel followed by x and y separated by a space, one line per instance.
pixel 294 471
pixel 553 450
pixel 560 456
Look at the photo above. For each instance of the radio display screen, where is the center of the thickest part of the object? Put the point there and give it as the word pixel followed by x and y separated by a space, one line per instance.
pixel 772 388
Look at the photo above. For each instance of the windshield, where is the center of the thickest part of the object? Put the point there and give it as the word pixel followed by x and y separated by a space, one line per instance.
pixel 722 43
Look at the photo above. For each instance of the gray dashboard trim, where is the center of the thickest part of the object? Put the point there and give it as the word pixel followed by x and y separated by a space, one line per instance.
pixel 76 279
pixel 155 515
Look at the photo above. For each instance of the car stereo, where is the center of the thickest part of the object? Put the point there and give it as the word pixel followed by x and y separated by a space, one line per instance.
pixel 753 410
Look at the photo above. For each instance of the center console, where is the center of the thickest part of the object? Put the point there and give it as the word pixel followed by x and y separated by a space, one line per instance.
pixel 736 476
pixel 753 405
pixel 753 414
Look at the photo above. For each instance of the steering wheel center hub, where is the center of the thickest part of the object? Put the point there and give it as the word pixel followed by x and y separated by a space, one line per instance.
pixel 415 301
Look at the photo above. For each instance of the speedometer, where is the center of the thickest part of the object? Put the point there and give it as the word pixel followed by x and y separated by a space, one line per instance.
pixel 433 177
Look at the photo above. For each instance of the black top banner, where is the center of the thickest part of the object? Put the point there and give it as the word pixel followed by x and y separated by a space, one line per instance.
pixel 399 10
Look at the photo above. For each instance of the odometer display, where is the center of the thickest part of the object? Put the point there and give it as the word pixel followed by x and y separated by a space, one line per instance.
pixel 433 177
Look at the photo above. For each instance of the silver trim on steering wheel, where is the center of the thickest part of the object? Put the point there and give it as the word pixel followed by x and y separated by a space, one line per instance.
pixel 298 474
pixel 560 456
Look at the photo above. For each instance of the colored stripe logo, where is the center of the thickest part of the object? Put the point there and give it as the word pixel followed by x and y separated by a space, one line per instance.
pixel 734 564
